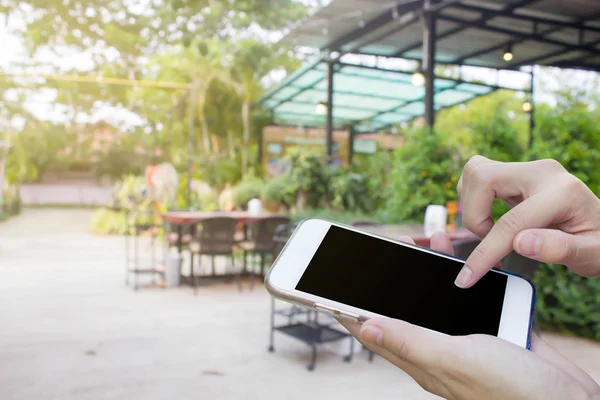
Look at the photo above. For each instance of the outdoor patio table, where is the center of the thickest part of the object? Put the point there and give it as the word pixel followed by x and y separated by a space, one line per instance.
pixel 416 232
pixel 179 219
pixel 184 218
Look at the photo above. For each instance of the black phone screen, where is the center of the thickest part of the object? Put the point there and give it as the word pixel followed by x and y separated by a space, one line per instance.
pixel 403 283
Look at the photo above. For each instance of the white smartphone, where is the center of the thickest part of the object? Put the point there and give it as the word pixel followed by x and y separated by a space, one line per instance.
pixel 355 275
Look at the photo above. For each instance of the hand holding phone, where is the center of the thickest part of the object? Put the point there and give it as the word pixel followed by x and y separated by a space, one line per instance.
pixel 355 276
pixel 475 366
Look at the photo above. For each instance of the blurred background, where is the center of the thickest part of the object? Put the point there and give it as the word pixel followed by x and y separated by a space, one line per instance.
pixel 128 127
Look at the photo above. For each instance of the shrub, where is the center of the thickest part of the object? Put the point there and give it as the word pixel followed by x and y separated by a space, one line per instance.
pixel 248 189
pixel 344 217
pixel 568 133
pixel 309 178
pixel 279 191
pixel 425 171
pixel 568 302
pixel 350 191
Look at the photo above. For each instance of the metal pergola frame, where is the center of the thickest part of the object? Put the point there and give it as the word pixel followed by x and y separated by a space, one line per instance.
pixel 464 15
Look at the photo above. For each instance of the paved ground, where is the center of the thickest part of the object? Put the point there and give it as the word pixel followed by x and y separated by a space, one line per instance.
pixel 66 193
pixel 71 330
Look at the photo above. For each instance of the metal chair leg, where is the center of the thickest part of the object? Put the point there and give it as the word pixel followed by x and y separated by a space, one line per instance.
pixel 212 266
pixel 313 359
pixel 236 276
pixel 252 273
pixel 348 357
pixel 272 336
pixel 192 276
pixel 127 258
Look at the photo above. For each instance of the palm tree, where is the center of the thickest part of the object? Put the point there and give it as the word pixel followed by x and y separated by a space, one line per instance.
pixel 198 64
pixel 252 62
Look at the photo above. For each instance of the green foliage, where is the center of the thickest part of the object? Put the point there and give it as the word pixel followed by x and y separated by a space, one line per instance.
pixel 249 188
pixel 350 191
pixel 12 202
pixel 568 302
pixel 568 133
pixel 128 195
pixel 218 170
pixel 341 216
pixel 425 171
pixel 118 161
pixel 309 178
pixel 36 151
pixel 279 191
pixel 109 222
pixel 376 168
pixel 496 136
pixel 493 125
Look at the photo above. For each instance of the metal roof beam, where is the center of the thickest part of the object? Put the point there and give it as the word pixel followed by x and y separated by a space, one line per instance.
pixel 376 23
pixel 336 106
pixel 487 14
pixel 291 78
pixel 348 92
pixel 535 20
pixel 502 45
pixel 520 35
pixel 535 60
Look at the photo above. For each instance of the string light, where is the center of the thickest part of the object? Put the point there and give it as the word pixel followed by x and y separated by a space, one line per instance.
pixel 418 78
pixel 527 106
pixel 321 108
pixel 508 54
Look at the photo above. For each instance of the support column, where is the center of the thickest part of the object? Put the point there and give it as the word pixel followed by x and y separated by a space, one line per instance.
pixel 429 39
pixel 350 130
pixel 191 144
pixel 329 120
pixel 532 112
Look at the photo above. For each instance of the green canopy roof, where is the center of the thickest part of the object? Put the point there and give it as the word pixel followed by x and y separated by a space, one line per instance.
pixel 369 98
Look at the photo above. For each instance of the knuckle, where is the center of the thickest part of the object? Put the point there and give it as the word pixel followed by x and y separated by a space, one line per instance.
pixel 401 349
pixel 574 185
pixel 510 223
pixel 551 164
pixel 479 256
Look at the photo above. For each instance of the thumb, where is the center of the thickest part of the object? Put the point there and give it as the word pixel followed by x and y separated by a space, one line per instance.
pixel 409 343
pixel 578 252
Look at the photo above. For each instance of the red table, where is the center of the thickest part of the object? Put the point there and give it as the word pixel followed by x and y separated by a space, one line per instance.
pixel 416 232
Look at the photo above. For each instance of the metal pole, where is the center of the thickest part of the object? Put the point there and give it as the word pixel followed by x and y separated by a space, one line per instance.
pixel 429 63
pixel 350 144
pixel 191 144
pixel 329 121
pixel 532 112
pixel 259 154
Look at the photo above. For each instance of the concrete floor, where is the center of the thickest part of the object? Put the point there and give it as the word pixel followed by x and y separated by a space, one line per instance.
pixel 71 329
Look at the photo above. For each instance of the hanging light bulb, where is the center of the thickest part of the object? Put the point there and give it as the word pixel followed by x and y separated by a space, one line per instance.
pixel 508 54
pixel 418 78
pixel 321 108
pixel 527 106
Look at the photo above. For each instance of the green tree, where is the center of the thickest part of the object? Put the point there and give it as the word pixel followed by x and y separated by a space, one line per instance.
pixel 425 171
pixel 253 61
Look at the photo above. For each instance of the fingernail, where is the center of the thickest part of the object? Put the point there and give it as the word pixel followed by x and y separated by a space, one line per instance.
pixel 371 334
pixel 528 244
pixel 464 277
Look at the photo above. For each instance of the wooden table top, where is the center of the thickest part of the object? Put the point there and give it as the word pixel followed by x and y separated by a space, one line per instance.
pixel 194 217
pixel 416 232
